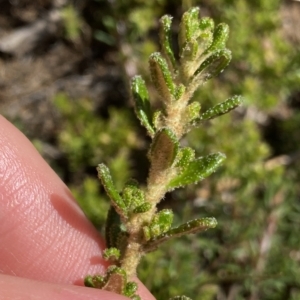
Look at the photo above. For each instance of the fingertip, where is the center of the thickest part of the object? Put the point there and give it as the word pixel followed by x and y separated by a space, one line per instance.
pixel 43 235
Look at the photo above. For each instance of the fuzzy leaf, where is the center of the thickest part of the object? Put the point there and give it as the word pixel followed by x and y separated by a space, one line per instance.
pixel 111 254
pixel 147 233
pixel 142 103
pixel 206 24
pixel 161 222
pixel 189 27
pixel 194 226
pixel 142 208
pixel 189 32
pixel 96 281
pixel 197 170
pixel 165 40
pixel 205 38
pixel 213 65
pixel 132 196
pixel 162 77
pixel 185 156
pixel 116 199
pixel 180 89
pixel 221 108
pixel 220 38
pixel 157 119
pixel 192 111
pixel 130 289
pixel 209 46
pixel 196 46
pixel 164 149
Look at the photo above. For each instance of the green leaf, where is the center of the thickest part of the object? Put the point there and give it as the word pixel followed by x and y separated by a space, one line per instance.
pixel 164 149
pixel 107 182
pixel 189 28
pixel 185 156
pixel 143 208
pixel 220 38
pixel 161 222
pixel 132 196
pixel 142 103
pixel 194 226
pixel 180 89
pixel 192 111
pixel 147 233
pixel 130 289
pixel 200 40
pixel 96 281
pixel 162 77
pixel 189 32
pixel 165 40
pixel 196 170
pixel 111 254
pixel 221 108
pixel 206 24
pixel 213 65
pixel 205 38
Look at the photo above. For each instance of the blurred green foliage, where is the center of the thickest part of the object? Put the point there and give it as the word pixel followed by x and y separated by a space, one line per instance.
pixel 254 252
pixel 72 22
pixel 87 139
pixel 91 201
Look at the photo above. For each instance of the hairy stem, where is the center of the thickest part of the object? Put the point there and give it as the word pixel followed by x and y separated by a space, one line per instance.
pixel 156 189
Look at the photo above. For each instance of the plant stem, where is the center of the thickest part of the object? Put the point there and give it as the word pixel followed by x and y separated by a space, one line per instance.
pixel 156 189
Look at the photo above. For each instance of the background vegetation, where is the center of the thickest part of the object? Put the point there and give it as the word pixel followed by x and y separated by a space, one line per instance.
pixel 66 87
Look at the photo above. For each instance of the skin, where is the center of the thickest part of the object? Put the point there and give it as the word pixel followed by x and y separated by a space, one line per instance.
pixel 47 246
